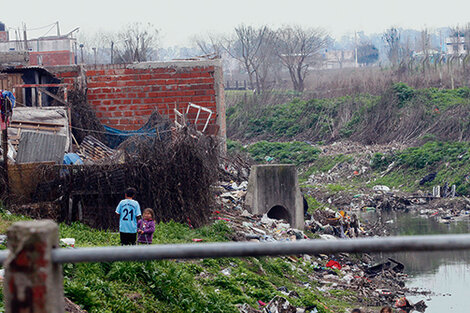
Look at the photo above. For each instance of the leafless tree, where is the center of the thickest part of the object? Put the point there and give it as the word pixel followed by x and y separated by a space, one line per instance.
pixel 298 48
pixel 137 42
pixel 250 46
pixel 392 39
pixel 211 44
pixel 425 45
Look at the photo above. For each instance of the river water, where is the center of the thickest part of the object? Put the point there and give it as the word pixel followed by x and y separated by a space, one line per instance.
pixel 445 274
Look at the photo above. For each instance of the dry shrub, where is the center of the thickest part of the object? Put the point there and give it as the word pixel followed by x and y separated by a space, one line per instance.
pixel 173 177
pixel 41 210
pixel 3 185
pixel 389 122
pixel 84 120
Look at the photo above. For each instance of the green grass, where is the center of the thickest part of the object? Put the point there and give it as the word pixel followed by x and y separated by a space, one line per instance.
pixel 298 153
pixel 182 286
pixel 450 160
pixel 295 117
pixel 314 204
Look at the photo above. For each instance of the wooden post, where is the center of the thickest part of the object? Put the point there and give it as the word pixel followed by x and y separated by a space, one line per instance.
pixel 33 283
pixel 5 157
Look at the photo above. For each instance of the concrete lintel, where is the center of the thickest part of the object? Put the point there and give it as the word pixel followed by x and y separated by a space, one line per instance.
pixel 63 68
pixel 176 64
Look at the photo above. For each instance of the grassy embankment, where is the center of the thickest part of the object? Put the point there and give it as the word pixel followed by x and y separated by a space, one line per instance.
pixel 436 123
pixel 400 114
pixel 449 160
pixel 184 286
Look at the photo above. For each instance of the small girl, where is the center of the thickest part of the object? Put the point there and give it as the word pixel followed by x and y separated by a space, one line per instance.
pixel 146 227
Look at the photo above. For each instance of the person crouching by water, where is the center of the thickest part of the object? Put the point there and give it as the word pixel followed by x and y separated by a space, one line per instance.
pixel 128 211
pixel 146 227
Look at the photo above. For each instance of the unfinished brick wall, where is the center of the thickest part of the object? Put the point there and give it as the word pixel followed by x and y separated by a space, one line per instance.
pixel 68 74
pixel 51 58
pixel 125 95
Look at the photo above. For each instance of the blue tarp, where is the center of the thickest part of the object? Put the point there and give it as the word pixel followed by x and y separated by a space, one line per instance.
pixel 72 159
pixel 115 136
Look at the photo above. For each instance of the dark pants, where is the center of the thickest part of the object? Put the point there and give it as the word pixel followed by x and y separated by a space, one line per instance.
pixel 128 238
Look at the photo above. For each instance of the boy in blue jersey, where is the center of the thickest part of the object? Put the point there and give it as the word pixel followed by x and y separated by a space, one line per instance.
pixel 128 211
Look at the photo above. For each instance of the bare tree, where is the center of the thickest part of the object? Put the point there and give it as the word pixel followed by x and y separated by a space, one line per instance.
pixel 137 42
pixel 298 48
pixel 250 46
pixel 392 39
pixel 425 43
pixel 211 44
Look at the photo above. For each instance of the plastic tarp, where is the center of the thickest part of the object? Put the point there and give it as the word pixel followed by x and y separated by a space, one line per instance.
pixel 115 136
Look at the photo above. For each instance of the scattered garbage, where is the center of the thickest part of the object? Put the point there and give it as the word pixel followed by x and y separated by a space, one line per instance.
pixel 3 239
pixel 279 305
pixel 381 188
pixel 67 242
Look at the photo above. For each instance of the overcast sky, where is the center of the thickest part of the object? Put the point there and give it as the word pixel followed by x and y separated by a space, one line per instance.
pixel 178 21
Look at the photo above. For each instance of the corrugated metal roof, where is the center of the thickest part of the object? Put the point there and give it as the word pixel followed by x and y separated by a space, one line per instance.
pixel 38 116
pixel 39 147
pixel 93 149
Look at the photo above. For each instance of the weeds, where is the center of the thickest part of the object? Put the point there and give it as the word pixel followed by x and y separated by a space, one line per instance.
pixel 448 159
pixel 297 153
pixel 399 113
pixel 176 285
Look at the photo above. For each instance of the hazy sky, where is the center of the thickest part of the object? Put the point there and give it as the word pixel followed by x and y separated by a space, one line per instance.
pixel 180 20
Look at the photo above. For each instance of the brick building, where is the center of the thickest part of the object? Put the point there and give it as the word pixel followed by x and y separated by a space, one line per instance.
pixel 48 51
pixel 124 95
pixel 44 51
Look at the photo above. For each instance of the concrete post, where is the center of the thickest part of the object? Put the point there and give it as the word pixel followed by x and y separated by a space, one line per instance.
pixel 32 282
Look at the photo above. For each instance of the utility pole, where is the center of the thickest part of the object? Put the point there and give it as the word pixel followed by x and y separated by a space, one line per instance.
pixel 112 52
pixel 25 38
pixel 81 52
pixel 94 53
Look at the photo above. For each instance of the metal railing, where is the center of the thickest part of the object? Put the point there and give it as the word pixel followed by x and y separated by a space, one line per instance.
pixel 32 262
pixel 243 249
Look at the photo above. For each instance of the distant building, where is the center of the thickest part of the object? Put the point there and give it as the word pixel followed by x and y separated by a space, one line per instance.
pixel 43 51
pixel 334 59
pixel 456 45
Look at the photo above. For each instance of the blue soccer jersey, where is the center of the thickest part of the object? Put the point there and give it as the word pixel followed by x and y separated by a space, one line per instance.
pixel 128 211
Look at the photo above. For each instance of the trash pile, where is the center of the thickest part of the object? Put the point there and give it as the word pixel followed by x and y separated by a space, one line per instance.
pixel 356 161
pixel 375 284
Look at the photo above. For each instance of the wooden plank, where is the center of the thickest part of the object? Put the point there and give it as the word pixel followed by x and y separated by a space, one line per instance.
pixel 55 97
pixel 36 123
pixel 35 127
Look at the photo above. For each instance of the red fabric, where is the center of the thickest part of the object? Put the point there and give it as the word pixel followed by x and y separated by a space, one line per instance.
pixel 333 264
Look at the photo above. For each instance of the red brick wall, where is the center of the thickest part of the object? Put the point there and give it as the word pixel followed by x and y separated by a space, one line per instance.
pixel 51 58
pixel 3 36
pixel 125 96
